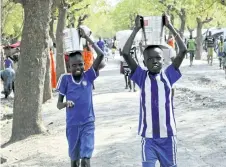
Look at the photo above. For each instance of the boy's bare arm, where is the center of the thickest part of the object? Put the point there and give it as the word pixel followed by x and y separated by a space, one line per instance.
pixel 126 50
pixel 100 54
pixel 60 103
pixel 182 47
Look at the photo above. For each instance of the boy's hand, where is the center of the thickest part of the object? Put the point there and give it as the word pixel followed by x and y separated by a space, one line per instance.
pixel 70 104
pixel 138 22
pixel 166 20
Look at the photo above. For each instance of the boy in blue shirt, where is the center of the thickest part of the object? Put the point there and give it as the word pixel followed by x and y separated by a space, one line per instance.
pixel 77 87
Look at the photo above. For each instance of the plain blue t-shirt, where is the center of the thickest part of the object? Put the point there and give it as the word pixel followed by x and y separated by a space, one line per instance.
pixel 81 94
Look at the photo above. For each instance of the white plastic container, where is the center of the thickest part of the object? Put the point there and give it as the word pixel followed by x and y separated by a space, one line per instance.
pixel 122 37
pixel 153 31
pixel 72 41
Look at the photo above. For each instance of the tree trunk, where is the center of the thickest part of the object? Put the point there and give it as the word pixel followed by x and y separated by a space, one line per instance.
pixel 47 94
pixel 183 22
pixel 51 34
pixel 60 62
pixel 29 84
pixel 199 39
pixel 199 47
pixel 2 59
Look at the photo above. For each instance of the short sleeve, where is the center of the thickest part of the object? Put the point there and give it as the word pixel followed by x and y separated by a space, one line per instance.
pixel 172 74
pixel 91 74
pixel 139 76
pixel 62 85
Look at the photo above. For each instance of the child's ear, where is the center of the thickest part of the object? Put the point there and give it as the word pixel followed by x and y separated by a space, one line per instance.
pixel 144 63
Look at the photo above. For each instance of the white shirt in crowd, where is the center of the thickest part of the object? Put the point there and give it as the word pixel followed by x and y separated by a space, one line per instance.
pixel 168 54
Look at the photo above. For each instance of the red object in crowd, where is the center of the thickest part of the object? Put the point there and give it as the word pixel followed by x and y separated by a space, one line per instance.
pixel 66 58
pixel 15 45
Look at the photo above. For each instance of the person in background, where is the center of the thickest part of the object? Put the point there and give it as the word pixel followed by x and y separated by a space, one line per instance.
pixel 191 45
pixel 210 44
pixel 8 77
pixel 141 48
pixel 171 41
pixel 168 56
pixel 53 70
pixel 88 57
pixel 113 48
pixel 133 53
pixel 224 57
pixel 125 70
pixel 8 62
pixel 101 44
pixel 220 48
pixel 66 59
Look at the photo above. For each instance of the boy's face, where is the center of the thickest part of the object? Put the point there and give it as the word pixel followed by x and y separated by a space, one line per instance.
pixel 153 59
pixel 76 65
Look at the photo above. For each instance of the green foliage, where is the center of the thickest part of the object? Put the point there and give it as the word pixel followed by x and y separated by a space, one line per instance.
pixel 12 18
pixel 105 20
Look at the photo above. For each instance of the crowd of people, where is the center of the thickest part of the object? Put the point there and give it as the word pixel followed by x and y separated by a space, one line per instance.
pixel 211 44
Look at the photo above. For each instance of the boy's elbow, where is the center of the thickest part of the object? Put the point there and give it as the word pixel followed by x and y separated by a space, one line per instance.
pixel 102 65
pixel 59 106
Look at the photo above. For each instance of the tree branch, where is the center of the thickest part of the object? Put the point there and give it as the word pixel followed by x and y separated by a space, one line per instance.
pixel 207 20
pixel 85 7
pixel 190 29
pixel 81 19
pixel 5 6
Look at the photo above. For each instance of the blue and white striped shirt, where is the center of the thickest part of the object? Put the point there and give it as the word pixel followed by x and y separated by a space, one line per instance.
pixel 156 108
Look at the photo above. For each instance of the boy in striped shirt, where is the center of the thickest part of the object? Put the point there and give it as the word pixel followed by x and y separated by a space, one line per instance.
pixel 156 122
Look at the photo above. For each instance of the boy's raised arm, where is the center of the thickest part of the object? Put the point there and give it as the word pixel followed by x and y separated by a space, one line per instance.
pixel 182 47
pixel 126 50
pixel 100 54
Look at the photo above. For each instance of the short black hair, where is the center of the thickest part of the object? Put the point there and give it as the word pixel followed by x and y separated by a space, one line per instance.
pixel 151 47
pixel 74 54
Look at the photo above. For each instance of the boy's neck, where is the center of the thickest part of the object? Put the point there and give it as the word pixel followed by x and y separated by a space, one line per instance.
pixel 77 78
pixel 152 73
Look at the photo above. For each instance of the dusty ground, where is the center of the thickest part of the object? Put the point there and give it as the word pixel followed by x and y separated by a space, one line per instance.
pixel 200 103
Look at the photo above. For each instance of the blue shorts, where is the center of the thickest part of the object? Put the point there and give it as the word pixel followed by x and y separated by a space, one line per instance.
pixel 80 141
pixel 220 54
pixel 163 150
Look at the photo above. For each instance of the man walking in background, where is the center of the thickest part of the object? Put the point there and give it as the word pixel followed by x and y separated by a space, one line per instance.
pixel 210 43
pixel 100 44
pixel 220 48
pixel 191 45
